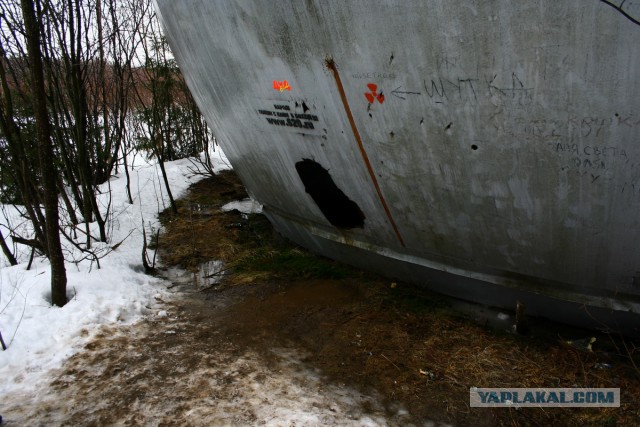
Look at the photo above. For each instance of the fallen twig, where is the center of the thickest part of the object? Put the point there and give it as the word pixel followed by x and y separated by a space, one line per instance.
pixel 221 272
pixel 391 362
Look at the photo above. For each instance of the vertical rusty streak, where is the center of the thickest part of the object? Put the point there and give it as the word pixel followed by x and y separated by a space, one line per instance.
pixel 332 66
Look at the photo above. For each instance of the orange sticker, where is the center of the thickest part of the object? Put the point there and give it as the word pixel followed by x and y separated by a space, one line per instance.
pixel 373 94
pixel 281 86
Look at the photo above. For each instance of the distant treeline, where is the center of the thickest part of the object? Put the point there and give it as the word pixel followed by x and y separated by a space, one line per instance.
pixel 110 87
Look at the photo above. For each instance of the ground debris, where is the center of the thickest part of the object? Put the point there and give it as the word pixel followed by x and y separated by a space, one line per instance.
pixel 316 344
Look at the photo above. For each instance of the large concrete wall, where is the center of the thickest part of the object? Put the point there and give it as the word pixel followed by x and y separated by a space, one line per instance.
pixel 491 138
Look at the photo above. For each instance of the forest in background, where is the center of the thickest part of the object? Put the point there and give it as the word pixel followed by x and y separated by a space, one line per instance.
pixel 85 86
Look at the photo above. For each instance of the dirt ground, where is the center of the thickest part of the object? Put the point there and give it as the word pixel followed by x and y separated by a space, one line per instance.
pixel 284 338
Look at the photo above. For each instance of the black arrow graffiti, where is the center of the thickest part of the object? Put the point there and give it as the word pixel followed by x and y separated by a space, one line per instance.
pixel 398 93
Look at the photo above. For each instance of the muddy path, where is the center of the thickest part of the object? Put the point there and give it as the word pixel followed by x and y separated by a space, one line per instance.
pixel 345 352
pixel 241 356
pixel 284 338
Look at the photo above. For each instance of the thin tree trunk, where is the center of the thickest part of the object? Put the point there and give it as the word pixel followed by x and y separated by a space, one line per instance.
pixel 72 212
pixel 98 217
pixel 45 153
pixel 126 172
pixel 105 170
pixel 7 252
pixel 174 207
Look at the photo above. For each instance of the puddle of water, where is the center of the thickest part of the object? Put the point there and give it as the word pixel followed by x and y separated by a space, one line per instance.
pixel 209 274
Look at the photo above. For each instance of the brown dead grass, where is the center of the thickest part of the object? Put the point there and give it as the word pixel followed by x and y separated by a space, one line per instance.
pixel 427 359
pixel 201 232
pixel 400 341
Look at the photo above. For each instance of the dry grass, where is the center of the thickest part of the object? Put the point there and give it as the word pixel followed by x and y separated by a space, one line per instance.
pixel 401 341
pixel 247 244
pixel 428 358
pixel 200 232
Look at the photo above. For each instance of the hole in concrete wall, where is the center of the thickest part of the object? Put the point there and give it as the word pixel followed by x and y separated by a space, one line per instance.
pixel 339 210
pixel 474 147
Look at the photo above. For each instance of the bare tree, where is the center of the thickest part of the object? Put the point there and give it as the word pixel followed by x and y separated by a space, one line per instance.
pixel 45 153
pixel 103 66
pixel 155 105
pixel 7 252
pixel 169 124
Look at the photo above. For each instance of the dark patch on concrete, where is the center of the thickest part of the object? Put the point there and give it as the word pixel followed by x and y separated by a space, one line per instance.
pixel 339 210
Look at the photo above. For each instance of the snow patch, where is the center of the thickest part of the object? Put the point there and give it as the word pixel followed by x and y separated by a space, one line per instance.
pixel 245 206
pixel 40 337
